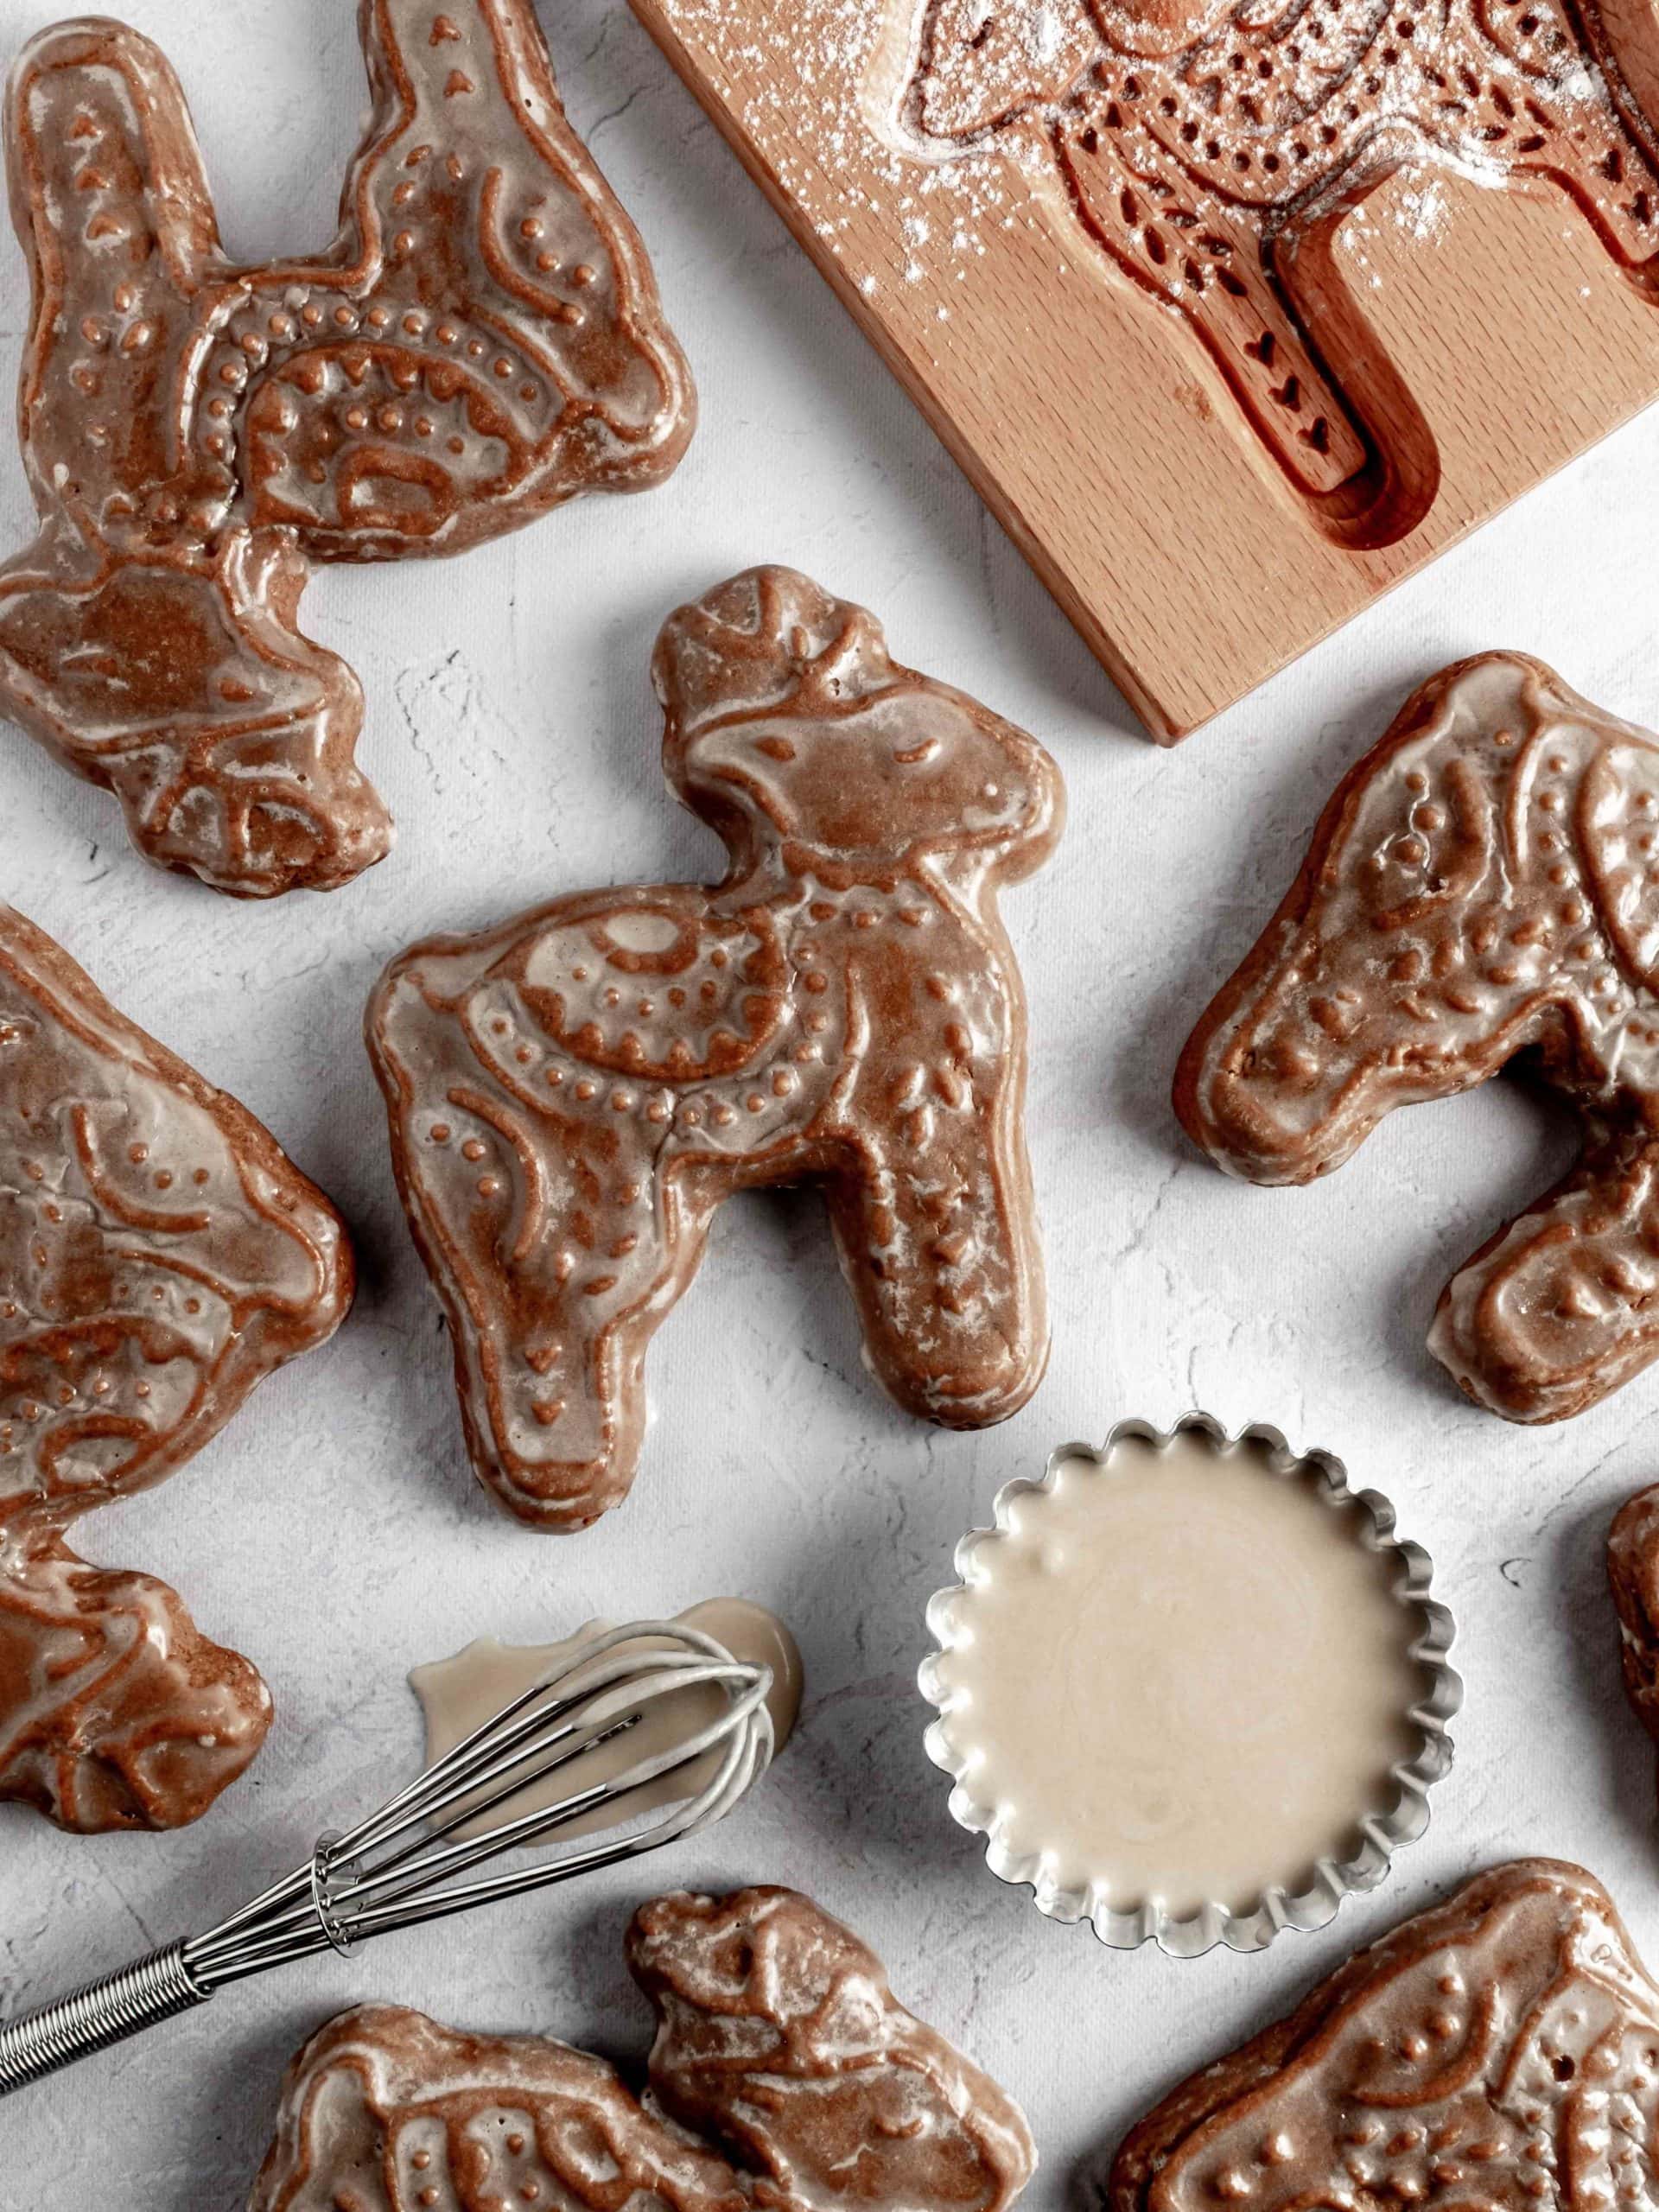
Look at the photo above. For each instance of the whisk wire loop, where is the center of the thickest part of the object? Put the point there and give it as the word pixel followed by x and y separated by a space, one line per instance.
pixel 386 1873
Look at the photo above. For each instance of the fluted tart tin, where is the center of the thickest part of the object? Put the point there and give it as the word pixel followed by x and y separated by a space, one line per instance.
pixel 1191 1687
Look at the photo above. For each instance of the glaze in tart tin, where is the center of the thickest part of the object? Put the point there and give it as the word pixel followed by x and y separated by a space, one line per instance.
pixel 1252 1926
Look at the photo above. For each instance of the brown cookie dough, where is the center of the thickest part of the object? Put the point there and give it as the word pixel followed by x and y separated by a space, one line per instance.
pixel 572 1095
pixel 385 2111
pixel 482 341
pixel 784 2075
pixel 1633 1574
pixel 159 1254
pixel 779 2039
pixel 1483 885
pixel 1497 2052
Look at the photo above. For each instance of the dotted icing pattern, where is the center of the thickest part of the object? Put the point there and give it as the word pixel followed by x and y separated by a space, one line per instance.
pixel 648 992
pixel 158 1256
pixel 572 1095
pixel 482 342
pixel 1479 886
pixel 1500 2049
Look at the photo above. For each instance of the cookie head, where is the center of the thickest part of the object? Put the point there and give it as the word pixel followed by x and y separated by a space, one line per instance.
pixel 788 723
pixel 760 1950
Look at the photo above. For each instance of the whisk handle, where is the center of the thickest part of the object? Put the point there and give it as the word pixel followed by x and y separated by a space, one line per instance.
pixel 91 2019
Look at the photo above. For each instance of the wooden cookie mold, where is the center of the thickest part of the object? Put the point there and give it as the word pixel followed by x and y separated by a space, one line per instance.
pixel 1174 279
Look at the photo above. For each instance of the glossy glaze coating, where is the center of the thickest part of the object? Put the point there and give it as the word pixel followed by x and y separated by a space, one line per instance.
pixel 1211 151
pixel 572 1095
pixel 1633 1574
pixel 785 2073
pixel 482 341
pixel 779 2039
pixel 1496 2053
pixel 385 2111
pixel 158 1256
pixel 1483 885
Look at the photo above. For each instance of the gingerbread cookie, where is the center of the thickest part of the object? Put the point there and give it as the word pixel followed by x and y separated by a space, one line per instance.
pixel 384 2108
pixel 779 2039
pixel 1633 1572
pixel 482 341
pixel 1209 155
pixel 1497 2052
pixel 158 1256
pixel 572 1095
pixel 1483 884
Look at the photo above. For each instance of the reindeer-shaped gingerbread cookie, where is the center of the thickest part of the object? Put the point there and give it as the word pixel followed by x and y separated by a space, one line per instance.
pixel 1484 883
pixel 572 1095
pixel 159 1254
pixel 1209 148
pixel 785 2075
pixel 482 341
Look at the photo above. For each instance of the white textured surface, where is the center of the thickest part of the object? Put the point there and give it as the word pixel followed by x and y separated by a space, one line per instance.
pixel 333 1534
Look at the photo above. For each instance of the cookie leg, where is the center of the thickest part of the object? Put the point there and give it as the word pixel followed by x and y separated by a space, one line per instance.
pixel 938 1244
pixel 115 1710
pixel 556 1249
pixel 1562 1307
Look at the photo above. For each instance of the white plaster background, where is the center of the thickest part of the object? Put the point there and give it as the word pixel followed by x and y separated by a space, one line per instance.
pixel 334 1532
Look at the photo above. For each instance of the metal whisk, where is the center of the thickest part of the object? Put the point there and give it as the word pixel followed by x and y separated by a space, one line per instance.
pixel 396 1868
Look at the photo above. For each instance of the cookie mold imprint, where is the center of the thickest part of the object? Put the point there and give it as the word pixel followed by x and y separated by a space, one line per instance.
pixel 1249 1925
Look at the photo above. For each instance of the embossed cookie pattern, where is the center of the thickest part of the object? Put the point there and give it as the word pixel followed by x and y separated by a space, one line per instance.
pixel 1209 151
pixel 158 1256
pixel 572 1095
pixel 482 341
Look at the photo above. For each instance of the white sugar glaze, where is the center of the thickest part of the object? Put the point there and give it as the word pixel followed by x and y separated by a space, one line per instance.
pixel 1180 1675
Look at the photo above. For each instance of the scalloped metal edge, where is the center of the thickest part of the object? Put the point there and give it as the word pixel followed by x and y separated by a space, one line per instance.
pixel 1188 1936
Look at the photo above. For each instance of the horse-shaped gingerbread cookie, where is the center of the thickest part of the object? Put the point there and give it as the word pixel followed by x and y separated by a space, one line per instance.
pixel 1484 883
pixel 159 1254
pixel 482 341
pixel 572 1095
pixel 1211 150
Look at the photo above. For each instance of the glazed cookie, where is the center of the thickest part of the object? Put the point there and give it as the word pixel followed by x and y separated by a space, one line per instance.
pixel 158 1256
pixel 572 1095
pixel 384 2108
pixel 1483 884
pixel 482 341
pixel 1633 1572
pixel 1496 2051
pixel 779 2039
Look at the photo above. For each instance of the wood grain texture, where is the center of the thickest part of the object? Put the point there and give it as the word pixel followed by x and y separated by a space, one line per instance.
pixel 1221 428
